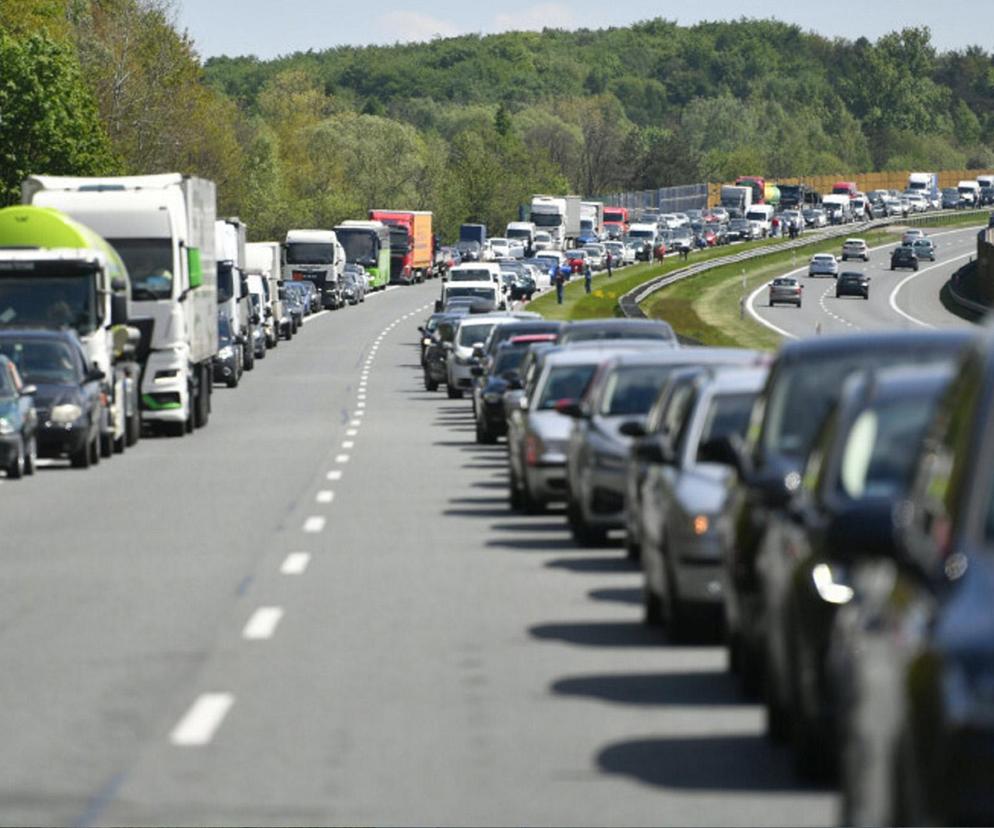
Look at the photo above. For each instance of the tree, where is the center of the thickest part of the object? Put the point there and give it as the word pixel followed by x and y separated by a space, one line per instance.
pixel 48 119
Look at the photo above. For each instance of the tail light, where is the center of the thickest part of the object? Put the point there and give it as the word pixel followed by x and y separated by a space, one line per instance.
pixel 533 450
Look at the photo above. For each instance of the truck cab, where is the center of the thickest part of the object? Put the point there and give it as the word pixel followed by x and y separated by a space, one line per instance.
pixel 548 213
pixel 317 257
pixel 523 232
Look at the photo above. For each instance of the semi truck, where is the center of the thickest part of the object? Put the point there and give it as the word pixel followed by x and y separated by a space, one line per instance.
pixel 927 184
pixel 572 220
pixel 263 258
pixel 317 257
pixel 548 213
pixel 523 232
pixel 615 222
pixel 162 226
pixel 233 301
pixel 55 271
pixel 367 243
pixel 412 252
pixel 737 199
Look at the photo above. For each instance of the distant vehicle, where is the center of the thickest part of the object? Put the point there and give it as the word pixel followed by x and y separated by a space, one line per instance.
pixel 523 233
pixel 353 287
pixel 855 249
pixel 904 257
pixel 910 235
pixel 852 283
pixel 823 264
pixel 471 332
pixel 786 289
pixel 758 187
pixel 615 222
pixel 924 248
pixel 66 392
pixel 969 193
pixel 228 364
pixel 412 244
pixel 847 188
pixel 925 184
pixel 596 256
pixel 950 198
pixel 317 257
pixel 18 423
pixel 367 244
pixel 814 217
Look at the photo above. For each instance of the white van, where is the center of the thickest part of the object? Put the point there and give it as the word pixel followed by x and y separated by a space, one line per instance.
pixel 475 272
pixel 485 291
pixel 969 193
pixel 761 214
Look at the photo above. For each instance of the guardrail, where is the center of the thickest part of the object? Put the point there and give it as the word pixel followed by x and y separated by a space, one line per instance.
pixel 629 302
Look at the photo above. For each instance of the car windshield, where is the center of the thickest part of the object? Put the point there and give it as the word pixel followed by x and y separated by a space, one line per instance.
pixel 303 253
pixel 471 275
pixel 150 266
pixel 632 389
pixel 875 459
pixel 784 282
pixel 546 219
pixel 564 382
pixel 41 361
pixel 471 334
pixel 39 300
pixel 727 414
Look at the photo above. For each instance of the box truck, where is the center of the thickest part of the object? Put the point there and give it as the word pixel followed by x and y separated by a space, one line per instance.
pixel 592 219
pixel 263 258
pixel 55 271
pixel 548 213
pixel 737 199
pixel 233 301
pixel 412 244
pixel 162 226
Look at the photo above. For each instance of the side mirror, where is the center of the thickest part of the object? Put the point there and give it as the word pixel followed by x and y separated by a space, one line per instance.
pixel 118 309
pixel 633 428
pixel 119 285
pixel 570 408
pixel 28 390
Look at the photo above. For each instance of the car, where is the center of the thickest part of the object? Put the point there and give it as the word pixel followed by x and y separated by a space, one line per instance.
pixel 577 259
pixel 823 264
pixel 294 304
pixel 792 218
pixel 855 249
pixel 924 249
pixel 951 199
pixel 683 493
pixel 912 653
pixel 904 256
pixel 67 391
pixel 909 236
pixel 353 287
pixel 805 572
pixel 596 254
pixel 501 376
pixel 741 229
pixel 469 250
pixel 802 388
pixel 18 423
pixel 310 296
pixel 919 203
pixel 815 217
pixel 894 206
pixel 471 332
pixel 226 364
pixel 605 329
pixel 786 289
pixel 853 283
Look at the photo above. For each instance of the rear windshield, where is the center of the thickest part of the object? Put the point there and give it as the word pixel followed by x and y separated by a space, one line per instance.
pixel 631 390
pixel 509 359
pixel 470 334
pixel 564 382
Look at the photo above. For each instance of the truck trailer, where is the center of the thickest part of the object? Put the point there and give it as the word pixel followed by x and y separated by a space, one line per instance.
pixel 412 252
pixel 162 226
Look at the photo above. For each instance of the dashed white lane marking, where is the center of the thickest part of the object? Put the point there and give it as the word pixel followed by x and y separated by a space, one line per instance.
pixel 355 422
pixel 360 396
pixel 295 563
pixel 325 496
pixel 342 458
pixel 352 432
pixel 334 474
pixel 347 444
pixel 262 624
pixel 314 524
pixel 359 413
pixel 832 314
pixel 201 721
pixel 360 404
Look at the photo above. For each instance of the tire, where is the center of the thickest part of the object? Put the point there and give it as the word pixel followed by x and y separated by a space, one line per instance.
pixel 483 435
pixel 80 459
pixel 514 494
pixel 95 451
pixel 453 393
pixel 120 443
pixel 106 444
pixel 430 384
pixel 15 471
pixel 174 429
pixel 777 718
pixel 31 457
pixel 134 427
pixel 529 503
pixel 652 607
pixel 202 410
pixel 231 382
pixel 249 359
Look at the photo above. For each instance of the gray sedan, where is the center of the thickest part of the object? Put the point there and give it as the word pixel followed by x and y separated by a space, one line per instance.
pixel 684 494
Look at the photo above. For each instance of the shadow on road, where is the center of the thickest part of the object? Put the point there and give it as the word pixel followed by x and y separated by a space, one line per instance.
pixel 599 634
pixel 632 595
pixel 704 688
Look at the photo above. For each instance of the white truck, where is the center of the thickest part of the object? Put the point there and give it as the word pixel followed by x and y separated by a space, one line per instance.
pixel 927 185
pixel 233 300
pixel 969 193
pixel 317 256
pixel 263 258
pixel 736 199
pixel 55 271
pixel 592 218
pixel 548 213
pixel 762 215
pixel 838 208
pixel 162 226
pixel 523 232
pixel 572 220
pixel 646 234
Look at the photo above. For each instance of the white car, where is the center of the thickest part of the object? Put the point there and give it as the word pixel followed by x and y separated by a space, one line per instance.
pixel 541 241
pixel 617 251
pixel 910 236
pixel 855 249
pixel 595 256
pixel 823 264
pixel 472 331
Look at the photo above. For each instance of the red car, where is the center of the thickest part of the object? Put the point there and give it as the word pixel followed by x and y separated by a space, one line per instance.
pixel 576 260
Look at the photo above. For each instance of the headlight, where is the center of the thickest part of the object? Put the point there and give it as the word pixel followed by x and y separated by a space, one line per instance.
pixel 66 413
pixel 6 427
pixel 426 341
pixel 227 352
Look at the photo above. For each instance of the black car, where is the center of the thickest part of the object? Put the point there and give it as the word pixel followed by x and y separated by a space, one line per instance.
pixel 435 358
pixel 502 376
pixel 427 330
pixel 903 256
pixel 67 391
pixel 851 283
pixel 860 463
pixel 503 333
pixel 802 388
pixel 293 302
pixel 227 362
pixel 18 423
pixel 913 652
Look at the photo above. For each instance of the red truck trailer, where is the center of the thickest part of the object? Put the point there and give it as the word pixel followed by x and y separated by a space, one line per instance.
pixel 412 253
pixel 615 221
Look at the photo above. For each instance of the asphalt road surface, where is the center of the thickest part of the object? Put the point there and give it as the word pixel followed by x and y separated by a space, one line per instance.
pixel 898 299
pixel 320 610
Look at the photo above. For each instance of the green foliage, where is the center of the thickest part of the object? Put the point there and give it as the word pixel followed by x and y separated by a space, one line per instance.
pixel 48 120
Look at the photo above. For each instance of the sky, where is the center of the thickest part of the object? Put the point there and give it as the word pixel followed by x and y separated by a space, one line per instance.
pixel 267 29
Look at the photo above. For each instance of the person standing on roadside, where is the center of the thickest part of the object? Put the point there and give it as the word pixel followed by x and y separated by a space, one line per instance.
pixel 560 283
pixel 609 260
pixel 587 277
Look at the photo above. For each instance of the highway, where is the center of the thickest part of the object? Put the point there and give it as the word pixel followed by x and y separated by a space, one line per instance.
pixel 898 299
pixel 319 609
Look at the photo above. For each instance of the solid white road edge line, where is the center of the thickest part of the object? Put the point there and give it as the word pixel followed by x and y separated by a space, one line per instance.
pixel 914 275
pixel 201 721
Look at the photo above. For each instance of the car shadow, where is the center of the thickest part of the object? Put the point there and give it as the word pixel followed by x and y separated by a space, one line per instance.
pixel 602 564
pixel 599 634
pixel 629 595
pixel 710 763
pixel 700 688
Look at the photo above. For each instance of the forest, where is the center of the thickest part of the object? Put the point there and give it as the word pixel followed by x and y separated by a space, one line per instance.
pixel 471 126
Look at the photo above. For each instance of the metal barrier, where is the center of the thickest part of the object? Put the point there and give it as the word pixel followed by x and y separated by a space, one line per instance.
pixel 985 266
pixel 664 199
pixel 629 302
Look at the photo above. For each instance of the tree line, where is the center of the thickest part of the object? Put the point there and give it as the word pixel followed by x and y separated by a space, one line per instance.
pixel 471 126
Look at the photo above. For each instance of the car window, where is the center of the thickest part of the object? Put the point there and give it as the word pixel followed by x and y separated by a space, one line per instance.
pixel 631 390
pixel 469 334
pixel 7 384
pixel 43 361
pixel 727 414
pixel 564 382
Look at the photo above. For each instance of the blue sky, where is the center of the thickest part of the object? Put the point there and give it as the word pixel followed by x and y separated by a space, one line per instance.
pixel 267 29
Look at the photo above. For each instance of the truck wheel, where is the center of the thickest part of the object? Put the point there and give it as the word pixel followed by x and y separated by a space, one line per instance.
pixel 120 443
pixel 31 456
pixel 202 408
pixel 80 459
pixel 94 450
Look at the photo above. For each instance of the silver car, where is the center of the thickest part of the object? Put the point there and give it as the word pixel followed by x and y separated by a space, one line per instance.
pixel 684 495
pixel 472 330
pixel 823 264
pixel 786 289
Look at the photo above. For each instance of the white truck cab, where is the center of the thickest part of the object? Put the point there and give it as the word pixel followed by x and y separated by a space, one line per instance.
pixel 317 256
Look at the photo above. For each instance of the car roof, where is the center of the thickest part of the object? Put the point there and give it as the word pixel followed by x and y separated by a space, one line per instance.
pixel 691 357
pixel 827 345
pixel 60 333
pixel 736 379
pixel 582 356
